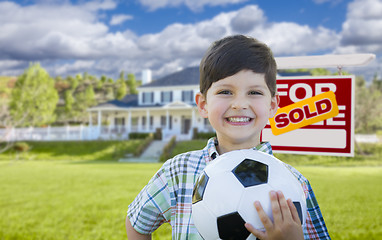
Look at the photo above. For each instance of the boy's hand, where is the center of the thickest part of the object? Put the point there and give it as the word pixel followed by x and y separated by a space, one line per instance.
pixel 286 223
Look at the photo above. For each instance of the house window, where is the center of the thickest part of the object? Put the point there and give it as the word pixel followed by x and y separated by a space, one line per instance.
pixel 148 97
pixel 119 121
pixel 188 96
pixel 144 122
pixel 134 123
pixel 166 97
pixel 163 121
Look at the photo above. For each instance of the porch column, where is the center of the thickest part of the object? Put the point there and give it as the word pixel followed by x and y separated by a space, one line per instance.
pixel 193 125
pixel 99 123
pixel 167 120
pixel 148 120
pixel 99 119
pixel 129 122
pixel 90 119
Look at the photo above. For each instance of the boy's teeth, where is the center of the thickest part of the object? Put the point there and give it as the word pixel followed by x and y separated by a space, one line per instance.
pixel 239 119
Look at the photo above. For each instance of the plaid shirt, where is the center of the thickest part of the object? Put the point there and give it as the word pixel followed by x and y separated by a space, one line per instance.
pixel 168 196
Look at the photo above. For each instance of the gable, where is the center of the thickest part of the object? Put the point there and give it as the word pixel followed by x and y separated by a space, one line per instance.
pixel 185 77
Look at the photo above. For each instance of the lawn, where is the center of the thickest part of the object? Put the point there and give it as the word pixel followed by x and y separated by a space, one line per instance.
pixel 88 199
pixel 74 151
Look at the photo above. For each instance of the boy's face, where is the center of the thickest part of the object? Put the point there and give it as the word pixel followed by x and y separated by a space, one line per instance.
pixel 238 108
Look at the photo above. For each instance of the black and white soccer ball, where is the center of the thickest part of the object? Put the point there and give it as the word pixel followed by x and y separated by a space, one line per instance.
pixel 225 191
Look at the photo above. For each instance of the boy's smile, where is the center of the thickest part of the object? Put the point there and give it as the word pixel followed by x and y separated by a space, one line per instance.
pixel 239 120
pixel 238 108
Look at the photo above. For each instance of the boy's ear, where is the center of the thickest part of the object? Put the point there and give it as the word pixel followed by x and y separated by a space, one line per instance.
pixel 275 101
pixel 201 102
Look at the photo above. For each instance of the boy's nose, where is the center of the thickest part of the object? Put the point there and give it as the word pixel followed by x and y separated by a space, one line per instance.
pixel 239 103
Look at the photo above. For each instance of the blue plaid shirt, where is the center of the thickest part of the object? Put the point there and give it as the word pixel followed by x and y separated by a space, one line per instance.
pixel 168 196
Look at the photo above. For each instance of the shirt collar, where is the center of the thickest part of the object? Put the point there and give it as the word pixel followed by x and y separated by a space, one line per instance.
pixel 213 153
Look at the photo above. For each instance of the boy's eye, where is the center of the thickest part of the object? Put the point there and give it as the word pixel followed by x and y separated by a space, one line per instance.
pixel 255 93
pixel 224 92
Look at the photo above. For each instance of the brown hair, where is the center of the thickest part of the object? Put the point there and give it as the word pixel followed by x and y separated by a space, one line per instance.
pixel 232 54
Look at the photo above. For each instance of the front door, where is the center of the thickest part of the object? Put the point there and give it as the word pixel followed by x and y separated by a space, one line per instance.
pixel 186 125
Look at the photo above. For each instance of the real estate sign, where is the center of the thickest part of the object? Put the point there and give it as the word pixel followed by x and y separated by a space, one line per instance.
pixel 316 116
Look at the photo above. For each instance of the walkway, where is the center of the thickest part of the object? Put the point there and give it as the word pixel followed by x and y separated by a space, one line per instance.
pixel 150 155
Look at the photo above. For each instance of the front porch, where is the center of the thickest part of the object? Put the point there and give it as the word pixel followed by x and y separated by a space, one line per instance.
pixel 173 119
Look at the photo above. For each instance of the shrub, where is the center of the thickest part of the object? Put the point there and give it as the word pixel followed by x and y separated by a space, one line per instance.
pixel 168 149
pixel 144 145
pixel 158 134
pixel 138 135
pixel 21 147
pixel 202 135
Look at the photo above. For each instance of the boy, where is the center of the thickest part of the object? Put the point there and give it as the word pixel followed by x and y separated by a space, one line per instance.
pixel 238 96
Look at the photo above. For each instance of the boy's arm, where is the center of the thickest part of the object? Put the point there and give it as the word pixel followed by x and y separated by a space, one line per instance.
pixel 286 223
pixel 132 234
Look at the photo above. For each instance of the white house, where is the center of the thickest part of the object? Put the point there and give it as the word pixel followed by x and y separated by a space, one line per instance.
pixel 167 103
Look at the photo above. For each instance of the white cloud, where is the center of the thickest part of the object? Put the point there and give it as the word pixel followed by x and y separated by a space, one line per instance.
pixel 332 2
pixel 120 18
pixel 41 31
pixel 194 5
pixel 70 39
pixel 362 30
pixel 288 38
pixel 73 68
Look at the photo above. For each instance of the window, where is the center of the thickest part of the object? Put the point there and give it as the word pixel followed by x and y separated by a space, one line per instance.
pixel 144 122
pixel 147 97
pixel 119 121
pixel 187 96
pixel 163 121
pixel 166 97
pixel 134 123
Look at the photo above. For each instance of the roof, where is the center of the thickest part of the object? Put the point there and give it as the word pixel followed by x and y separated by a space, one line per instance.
pixel 130 100
pixel 187 76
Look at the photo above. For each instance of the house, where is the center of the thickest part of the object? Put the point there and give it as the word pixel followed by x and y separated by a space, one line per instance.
pixel 167 104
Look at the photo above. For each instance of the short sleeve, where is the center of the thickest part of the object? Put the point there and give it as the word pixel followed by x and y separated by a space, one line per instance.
pixel 315 224
pixel 151 207
pixel 315 227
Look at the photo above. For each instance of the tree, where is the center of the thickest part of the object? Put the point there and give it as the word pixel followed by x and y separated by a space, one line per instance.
pixel 34 98
pixel 121 89
pixel 122 75
pixel 377 83
pixel 69 100
pixel 132 83
pixel 368 107
pixel 83 100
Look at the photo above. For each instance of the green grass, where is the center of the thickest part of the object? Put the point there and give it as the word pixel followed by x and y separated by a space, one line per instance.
pixel 74 151
pixel 350 199
pixel 372 156
pixel 63 200
pixel 67 200
pixel 84 197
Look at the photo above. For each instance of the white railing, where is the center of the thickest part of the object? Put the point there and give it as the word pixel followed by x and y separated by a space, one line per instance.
pixel 48 133
pixel 81 133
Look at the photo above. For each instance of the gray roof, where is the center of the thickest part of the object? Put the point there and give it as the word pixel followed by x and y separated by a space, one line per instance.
pixel 188 76
pixel 130 100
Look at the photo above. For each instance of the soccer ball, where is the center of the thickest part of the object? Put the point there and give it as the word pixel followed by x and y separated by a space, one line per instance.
pixel 225 191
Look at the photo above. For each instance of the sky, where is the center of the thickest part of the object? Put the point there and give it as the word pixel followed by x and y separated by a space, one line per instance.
pixel 105 37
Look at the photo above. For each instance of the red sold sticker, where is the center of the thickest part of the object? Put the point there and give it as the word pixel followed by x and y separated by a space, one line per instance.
pixel 303 113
